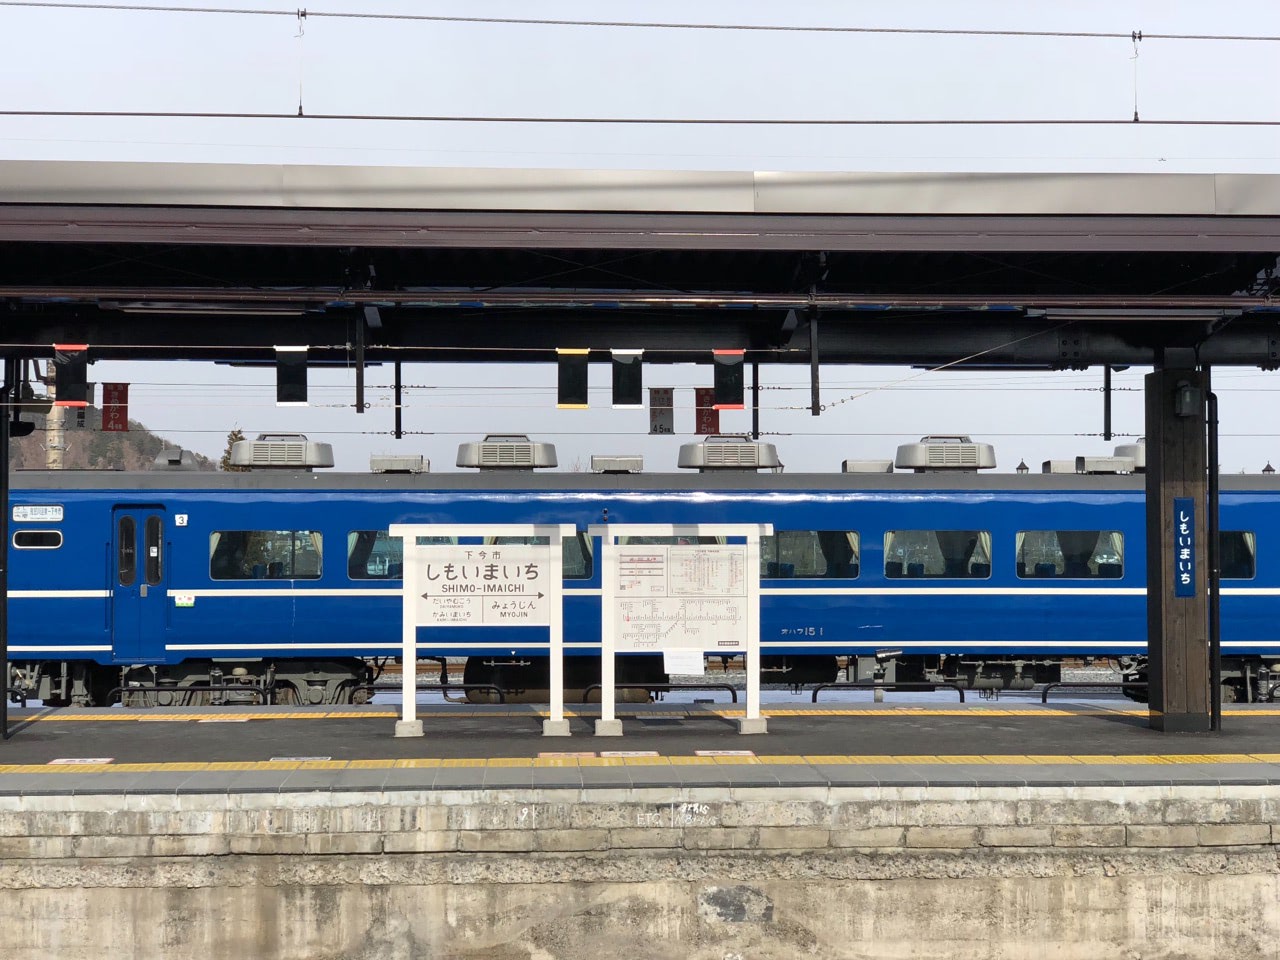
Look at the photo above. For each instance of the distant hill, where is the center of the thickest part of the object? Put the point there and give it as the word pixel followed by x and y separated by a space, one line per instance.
pixel 88 448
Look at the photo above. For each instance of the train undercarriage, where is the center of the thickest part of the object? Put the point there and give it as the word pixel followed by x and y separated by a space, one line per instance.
pixel 354 680
pixel 195 682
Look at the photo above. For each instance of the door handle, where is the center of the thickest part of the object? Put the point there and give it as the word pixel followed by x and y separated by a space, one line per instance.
pixel 143 590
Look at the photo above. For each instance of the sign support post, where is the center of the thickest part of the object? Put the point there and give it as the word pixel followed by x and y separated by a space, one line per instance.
pixel 680 596
pixel 463 599
pixel 409 725
pixel 608 725
pixel 753 722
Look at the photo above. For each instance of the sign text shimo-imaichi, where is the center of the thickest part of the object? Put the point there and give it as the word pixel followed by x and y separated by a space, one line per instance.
pixel 484 584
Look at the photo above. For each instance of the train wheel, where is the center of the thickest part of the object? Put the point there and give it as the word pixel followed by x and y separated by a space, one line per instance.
pixel 140 701
pixel 1233 691
pixel 101 683
pixel 194 696
pixel 286 694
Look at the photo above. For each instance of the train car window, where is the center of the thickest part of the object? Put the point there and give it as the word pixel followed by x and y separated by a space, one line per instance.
pixel 810 553
pixel 151 563
pixel 37 539
pixel 1070 554
pixel 914 554
pixel 375 555
pixel 1238 552
pixel 265 555
pixel 127 561
pixel 576 554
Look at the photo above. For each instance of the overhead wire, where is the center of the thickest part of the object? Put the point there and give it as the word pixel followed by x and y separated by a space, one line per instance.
pixel 650 121
pixel 643 24
pixel 302 14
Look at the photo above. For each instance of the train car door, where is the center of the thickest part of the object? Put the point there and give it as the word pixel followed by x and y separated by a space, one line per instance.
pixel 138 584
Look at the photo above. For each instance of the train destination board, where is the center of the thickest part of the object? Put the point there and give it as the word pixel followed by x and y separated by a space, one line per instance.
pixel 484 585
pixel 692 596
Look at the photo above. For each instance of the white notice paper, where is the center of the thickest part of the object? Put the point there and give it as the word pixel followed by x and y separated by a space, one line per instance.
pixel 685 661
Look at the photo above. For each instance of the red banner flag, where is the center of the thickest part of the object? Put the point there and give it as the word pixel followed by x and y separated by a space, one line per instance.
pixel 707 416
pixel 115 407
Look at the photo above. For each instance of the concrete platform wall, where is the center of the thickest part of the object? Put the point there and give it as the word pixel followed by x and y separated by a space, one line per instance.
pixel 687 874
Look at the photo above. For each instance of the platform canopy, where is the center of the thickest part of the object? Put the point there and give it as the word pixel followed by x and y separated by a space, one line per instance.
pixel 222 262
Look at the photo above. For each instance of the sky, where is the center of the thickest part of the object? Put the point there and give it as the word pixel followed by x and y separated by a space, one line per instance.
pixel 78 59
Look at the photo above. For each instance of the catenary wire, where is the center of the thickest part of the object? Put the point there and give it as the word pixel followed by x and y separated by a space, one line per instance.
pixel 303 13
pixel 642 121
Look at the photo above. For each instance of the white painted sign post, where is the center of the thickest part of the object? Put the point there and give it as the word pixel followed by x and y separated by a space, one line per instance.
pixel 481 585
pixel 674 598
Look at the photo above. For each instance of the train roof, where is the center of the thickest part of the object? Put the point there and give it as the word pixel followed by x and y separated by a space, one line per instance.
pixel 724 463
pixel 289 480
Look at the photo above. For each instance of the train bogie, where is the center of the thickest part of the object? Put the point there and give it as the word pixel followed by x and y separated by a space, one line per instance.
pixel 528 679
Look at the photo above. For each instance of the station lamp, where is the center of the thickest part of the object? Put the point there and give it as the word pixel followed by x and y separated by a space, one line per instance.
pixel 1187 400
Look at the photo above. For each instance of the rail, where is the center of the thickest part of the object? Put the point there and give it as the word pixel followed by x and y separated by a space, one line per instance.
pixel 16 695
pixel 399 687
pixel 899 685
pixel 666 687
pixel 264 693
pixel 1103 684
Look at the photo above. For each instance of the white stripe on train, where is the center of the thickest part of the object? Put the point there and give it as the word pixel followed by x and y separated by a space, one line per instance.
pixel 234 592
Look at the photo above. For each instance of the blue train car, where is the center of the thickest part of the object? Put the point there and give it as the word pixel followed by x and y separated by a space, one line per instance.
pixel 287 577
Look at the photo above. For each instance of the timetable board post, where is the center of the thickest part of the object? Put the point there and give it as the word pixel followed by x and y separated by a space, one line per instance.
pixel 479 585
pixel 673 597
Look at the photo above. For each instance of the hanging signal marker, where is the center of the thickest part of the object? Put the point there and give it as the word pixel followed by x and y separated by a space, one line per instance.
pixel 628 379
pixel 729 385
pixel 572 378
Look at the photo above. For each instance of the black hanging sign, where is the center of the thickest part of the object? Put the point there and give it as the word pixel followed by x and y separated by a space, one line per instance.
pixel 628 379
pixel 70 373
pixel 291 376
pixel 571 393
pixel 728 364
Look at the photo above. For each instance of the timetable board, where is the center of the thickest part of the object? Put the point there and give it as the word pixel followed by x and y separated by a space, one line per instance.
pixel 691 596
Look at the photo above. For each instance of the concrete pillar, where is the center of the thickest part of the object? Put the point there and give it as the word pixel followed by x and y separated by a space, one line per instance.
pixel 1177 560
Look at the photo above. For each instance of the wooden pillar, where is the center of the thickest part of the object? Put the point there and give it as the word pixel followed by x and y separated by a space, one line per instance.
pixel 1177 558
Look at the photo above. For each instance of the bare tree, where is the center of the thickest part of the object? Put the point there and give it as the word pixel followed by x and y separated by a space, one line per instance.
pixel 225 463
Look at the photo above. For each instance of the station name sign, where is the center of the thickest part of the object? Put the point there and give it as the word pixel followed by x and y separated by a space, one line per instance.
pixel 1184 547
pixel 484 586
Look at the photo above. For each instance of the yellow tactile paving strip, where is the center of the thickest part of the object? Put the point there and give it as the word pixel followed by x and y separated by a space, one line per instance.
pixel 1030 711
pixel 582 762
pixel 588 760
